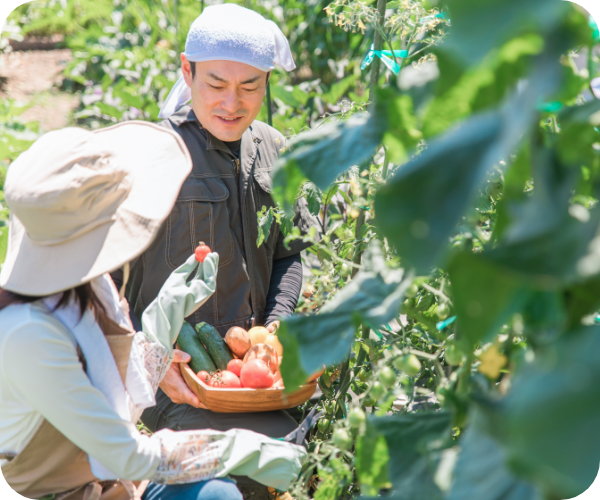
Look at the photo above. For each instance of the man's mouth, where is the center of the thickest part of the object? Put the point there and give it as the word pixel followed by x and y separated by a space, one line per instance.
pixel 230 119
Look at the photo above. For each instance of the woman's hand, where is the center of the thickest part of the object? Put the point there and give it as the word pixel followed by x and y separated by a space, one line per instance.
pixel 173 384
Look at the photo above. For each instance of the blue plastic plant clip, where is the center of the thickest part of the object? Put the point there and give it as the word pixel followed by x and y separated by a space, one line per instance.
pixel 595 30
pixel 440 325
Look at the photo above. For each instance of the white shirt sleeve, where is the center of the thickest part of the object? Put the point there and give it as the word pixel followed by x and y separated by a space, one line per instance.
pixel 39 364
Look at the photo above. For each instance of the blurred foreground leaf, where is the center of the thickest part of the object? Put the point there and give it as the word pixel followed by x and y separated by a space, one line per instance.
pixel 552 416
pixel 481 472
pixel 373 297
pixel 413 440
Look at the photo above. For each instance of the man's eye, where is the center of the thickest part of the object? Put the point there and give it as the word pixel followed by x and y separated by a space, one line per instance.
pixel 214 87
pixel 251 90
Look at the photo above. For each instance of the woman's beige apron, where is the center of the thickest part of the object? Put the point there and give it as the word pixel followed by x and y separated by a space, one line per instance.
pixel 50 463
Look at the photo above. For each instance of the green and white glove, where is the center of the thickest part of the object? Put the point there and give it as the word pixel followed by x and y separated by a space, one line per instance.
pixel 198 455
pixel 178 298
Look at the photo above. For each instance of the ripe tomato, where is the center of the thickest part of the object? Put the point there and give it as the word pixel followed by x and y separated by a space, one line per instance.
pixel 256 374
pixel 201 251
pixel 225 380
pixel 235 366
pixel 204 376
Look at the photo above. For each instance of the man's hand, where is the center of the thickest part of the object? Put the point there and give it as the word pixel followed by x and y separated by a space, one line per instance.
pixel 175 387
pixel 273 326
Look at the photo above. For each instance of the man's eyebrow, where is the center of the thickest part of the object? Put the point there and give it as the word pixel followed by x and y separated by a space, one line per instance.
pixel 251 80
pixel 215 77
pixel 245 82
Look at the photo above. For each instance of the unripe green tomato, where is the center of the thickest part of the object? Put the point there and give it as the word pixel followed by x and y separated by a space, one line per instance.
pixel 443 311
pixel 377 390
pixel 452 355
pixel 345 270
pixel 412 291
pixel 356 418
pixel 323 424
pixel 330 407
pixel 369 401
pixel 407 305
pixel 342 439
pixel 387 377
pixel 483 217
pixel 348 234
pixel 363 375
pixel 409 364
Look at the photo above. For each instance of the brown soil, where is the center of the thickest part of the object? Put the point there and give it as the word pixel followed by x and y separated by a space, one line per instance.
pixel 33 77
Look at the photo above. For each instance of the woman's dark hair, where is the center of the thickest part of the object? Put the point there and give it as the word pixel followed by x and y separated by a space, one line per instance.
pixel 83 294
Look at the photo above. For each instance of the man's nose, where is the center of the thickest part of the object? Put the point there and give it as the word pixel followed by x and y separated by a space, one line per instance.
pixel 231 101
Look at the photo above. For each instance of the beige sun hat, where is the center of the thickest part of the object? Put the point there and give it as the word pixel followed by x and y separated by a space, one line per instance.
pixel 84 203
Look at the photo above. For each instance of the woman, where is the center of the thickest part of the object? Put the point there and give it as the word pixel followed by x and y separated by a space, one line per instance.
pixel 74 376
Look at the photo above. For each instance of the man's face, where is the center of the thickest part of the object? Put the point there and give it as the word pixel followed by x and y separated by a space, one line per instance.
pixel 226 95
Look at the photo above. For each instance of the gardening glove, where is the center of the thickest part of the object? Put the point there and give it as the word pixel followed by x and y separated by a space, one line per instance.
pixel 178 298
pixel 190 456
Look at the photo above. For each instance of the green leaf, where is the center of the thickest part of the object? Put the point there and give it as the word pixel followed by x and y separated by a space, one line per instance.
pixel 552 415
pixel 265 220
pixel 581 299
pixel 320 155
pixel 481 471
pixel 372 462
pixel 338 89
pixel 482 86
pixel 413 441
pixel 402 135
pixel 373 296
pixel 3 243
pixel 421 204
pixel 481 26
pixel 482 308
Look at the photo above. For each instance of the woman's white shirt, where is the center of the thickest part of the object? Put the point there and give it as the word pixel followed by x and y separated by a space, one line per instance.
pixel 41 377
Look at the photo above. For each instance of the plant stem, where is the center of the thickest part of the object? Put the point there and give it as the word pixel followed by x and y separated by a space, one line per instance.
pixel 377 44
pixel 363 352
pixel 269 105
pixel 360 220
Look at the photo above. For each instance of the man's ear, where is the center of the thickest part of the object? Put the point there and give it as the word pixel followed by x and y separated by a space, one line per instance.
pixel 186 69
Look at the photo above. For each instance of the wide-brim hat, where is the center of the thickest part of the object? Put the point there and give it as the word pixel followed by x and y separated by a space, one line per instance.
pixel 84 203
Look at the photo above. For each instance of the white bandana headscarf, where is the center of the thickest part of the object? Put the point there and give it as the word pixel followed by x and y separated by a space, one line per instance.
pixel 228 32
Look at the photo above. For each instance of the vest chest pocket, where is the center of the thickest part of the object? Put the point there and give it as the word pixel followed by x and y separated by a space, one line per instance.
pixel 200 214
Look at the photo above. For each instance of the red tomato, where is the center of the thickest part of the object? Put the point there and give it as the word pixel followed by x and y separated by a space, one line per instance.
pixel 256 374
pixel 204 376
pixel 235 366
pixel 225 380
pixel 201 251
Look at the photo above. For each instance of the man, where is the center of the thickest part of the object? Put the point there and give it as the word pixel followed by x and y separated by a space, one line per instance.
pixel 230 52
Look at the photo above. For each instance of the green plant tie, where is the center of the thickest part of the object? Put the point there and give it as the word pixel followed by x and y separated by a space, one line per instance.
pixel 386 58
pixel 595 30
pixel 440 325
pixel 549 107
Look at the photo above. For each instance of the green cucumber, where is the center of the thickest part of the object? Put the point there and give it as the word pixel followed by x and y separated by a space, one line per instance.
pixel 215 345
pixel 189 342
